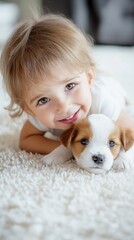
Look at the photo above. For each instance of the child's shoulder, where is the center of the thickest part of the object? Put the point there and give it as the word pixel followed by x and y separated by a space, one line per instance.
pixel 104 79
pixel 102 84
pixel 107 93
pixel 107 83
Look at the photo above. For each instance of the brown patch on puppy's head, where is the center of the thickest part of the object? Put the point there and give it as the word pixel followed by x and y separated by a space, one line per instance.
pixel 116 140
pixel 77 137
pixel 121 138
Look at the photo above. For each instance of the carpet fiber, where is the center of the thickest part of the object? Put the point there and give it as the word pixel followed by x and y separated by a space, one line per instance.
pixel 65 202
pixel 59 202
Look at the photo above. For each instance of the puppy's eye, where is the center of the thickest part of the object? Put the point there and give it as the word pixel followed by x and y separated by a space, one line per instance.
pixel 111 144
pixel 84 141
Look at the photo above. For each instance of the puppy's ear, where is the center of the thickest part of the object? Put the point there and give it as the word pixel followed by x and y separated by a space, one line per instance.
pixel 127 138
pixel 68 135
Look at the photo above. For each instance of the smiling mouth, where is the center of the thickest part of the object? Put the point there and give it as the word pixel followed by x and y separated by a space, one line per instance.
pixel 70 119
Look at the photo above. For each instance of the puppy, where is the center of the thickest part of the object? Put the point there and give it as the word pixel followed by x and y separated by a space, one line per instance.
pixel 98 144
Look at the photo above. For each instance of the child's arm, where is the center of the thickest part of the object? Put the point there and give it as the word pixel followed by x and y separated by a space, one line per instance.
pixel 33 140
pixel 124 121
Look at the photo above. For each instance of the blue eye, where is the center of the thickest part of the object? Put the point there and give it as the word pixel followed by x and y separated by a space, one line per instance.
pixel 84 141
pixel 70 86
pixel 42 101
pixel 111 144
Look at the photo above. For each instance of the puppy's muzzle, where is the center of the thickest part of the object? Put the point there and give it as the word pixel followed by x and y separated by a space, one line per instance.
pixel 98 159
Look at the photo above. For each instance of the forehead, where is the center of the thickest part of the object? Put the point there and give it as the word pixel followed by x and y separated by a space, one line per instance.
pixel 56 74
pixel 62 74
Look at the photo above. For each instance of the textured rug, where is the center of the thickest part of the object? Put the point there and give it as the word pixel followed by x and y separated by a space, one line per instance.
pixel 65 202
pixel 59 202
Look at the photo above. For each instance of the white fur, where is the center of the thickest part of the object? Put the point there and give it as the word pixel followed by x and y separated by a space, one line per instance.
pixel 60 155
pixel 125 160
pixel 101 127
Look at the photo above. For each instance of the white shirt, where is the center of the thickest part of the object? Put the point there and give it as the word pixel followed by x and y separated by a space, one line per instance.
pixel 108 97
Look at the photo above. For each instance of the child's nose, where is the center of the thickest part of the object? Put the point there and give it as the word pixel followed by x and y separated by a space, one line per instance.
pixel 61 104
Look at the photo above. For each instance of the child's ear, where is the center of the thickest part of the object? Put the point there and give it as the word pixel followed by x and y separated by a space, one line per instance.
pixel 127 138
pixel 91 75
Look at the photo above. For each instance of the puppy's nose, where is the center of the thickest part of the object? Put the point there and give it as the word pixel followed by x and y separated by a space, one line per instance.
pixel 98 159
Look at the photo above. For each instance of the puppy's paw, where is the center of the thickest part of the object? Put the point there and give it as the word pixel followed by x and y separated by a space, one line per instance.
pixel 48 159
pixel 125 161
pixel 122 165
pixel 52 159
pixel 57 156
pixel 119 165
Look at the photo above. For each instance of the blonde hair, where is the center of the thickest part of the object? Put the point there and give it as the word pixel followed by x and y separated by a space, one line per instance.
pixel 34 48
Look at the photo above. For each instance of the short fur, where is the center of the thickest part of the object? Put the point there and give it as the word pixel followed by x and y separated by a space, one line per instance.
pixel 89 141
pixel 99 130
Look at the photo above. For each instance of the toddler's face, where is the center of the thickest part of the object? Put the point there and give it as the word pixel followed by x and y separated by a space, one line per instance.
pixel 61 99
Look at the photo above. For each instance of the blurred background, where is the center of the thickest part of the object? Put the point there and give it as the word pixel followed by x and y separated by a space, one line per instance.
pixel 109 22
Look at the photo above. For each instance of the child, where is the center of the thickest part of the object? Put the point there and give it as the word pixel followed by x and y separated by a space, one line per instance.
pixel 49 73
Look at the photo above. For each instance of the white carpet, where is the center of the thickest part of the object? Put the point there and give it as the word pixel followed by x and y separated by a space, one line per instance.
pixel 60 202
